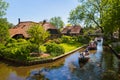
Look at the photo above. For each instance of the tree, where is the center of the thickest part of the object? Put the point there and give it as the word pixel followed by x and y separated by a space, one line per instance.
pixel 3 8
pixel 68 24
pixel 4 33
pixel 56 21
pixel 38 34
pixel 10 25
pixel 90 12
pixel 112 18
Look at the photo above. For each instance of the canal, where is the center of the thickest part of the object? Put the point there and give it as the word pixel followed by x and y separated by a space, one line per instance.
pixel 102 65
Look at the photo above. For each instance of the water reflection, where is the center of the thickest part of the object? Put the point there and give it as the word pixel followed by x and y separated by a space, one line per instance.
pixel 102 61
pixel 9 72
pixel 71 69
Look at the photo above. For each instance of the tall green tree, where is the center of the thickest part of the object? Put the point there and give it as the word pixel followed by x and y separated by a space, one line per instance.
pixel 111 21
pixel 3 8
pixel 38 34
pixel 4 34
pixel 57 21
pixel 90 12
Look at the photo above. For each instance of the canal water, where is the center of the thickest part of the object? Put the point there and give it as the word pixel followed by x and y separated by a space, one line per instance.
pixel 102 63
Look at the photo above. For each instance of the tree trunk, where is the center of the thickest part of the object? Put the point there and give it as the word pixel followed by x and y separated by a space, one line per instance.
pixel 119 34
pixel 102 29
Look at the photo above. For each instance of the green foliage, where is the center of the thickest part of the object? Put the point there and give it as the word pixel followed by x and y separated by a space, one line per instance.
pixel 89 12
pixel 14 43
pixel 66 39
pixel 117 48
pixel 89 30
pixel 2 47
pixel 111 22
pixel 11 40
pixel 21 40
pixel 69 39
pixel 15 50
pixel 38 34
pixel 83 39
pixel 3 7
pixel 76 15
pixel 57 41
pixel 54 49
pixel 4 34
pixel 33 48
pixel 10 25
pixel 43 48
pixel 18 53
pixel 56 21
pixel 73 40
pixel 70 47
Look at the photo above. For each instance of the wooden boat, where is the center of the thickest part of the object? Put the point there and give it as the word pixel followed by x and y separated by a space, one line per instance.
pixel 92 46
pixel 83 58
pixel 98 39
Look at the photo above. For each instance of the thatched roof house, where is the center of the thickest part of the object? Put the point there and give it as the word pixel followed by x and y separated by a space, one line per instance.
pixel 72 30
pixel 20 30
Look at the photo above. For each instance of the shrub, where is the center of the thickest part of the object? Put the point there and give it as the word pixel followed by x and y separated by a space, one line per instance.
pixel 75 38
pixel 54 49
pixel 2 47
pixel 83 39
pixel 11 45
pixel 33 47
pixel 11 40
pixel 66 39
pixel 21 40
pixel 23 53
pixel 57 41
pixel 18 50
pixel 19 53
pixel 15 43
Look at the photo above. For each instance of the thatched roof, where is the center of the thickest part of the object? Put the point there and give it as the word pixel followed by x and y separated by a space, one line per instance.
pixel 71 29
pixel 22 27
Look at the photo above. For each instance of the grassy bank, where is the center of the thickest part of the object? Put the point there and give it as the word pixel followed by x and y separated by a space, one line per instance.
pixel 66 46
pixel 70 47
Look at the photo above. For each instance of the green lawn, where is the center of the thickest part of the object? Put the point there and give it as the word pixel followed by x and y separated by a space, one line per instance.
pixel 67 47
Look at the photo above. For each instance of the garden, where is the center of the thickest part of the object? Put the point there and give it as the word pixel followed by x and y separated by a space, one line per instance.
pixel 26 50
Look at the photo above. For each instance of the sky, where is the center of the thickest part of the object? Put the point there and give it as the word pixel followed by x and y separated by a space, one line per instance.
pixel 39 10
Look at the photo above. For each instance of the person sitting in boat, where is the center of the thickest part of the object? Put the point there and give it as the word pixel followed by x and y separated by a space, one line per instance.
pixel 82 55
pixel 86 52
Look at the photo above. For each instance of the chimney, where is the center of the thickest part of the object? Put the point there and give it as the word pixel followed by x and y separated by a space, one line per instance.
pixel 44 21
pixel 18 20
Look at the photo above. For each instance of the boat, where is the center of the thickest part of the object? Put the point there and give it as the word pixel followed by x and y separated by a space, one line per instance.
pixel 83 57
pixel 99 39
pixel 92 46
